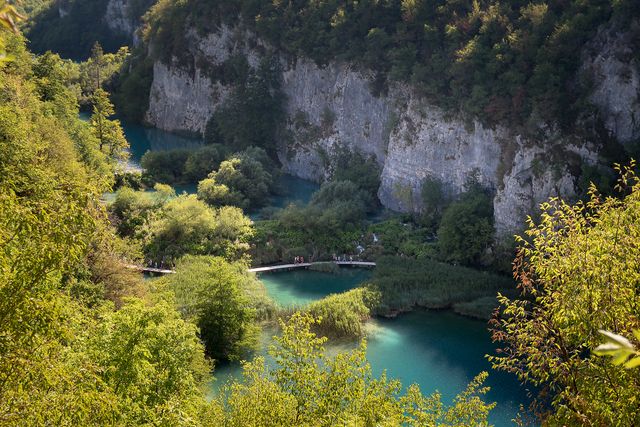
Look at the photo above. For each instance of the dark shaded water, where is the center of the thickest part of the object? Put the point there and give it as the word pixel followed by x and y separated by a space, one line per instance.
pixel 142 139
pixel 438 350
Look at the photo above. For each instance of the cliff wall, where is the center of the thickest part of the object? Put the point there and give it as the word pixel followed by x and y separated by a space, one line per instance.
pixel 334 106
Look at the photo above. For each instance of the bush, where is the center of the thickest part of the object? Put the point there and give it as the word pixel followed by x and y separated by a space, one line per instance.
pixel 245 180
pixel 166 167
pixel 203 161
pixel 182 166
pixel 131 211
pixel 186 225
pixel 342 315
pixel 466 229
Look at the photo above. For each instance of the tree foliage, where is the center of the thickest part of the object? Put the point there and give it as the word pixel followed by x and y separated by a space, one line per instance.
pixel 578 272
pixel 108 131
pixel 187 225
pixel 466 227
pixel 309 388
pixel 152 361
pixel 239 181
pixel 224 301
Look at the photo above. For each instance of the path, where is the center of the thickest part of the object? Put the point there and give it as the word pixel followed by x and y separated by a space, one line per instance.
pixel 150 269
pixel 271 268
pixel 309 264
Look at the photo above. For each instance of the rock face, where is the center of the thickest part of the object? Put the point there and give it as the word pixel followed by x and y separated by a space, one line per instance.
pixel 123 18
pixel 117 17
pixel 334 106
pixel 179 100
pixel 609 64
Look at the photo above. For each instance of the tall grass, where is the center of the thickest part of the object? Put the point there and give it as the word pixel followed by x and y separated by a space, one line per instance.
pixel 404 283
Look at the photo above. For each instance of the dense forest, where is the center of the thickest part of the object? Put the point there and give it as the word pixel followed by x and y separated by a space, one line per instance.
pixel 509 62
pixel 86 340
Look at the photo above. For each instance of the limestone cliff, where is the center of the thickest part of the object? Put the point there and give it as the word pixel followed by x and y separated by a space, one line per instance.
pixel 123 17
pixel 334 106
pixel 610 64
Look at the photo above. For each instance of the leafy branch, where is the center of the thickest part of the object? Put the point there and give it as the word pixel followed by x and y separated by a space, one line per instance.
pixel 620 349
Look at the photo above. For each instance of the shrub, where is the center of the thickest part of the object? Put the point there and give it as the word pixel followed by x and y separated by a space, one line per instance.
pixel 342 315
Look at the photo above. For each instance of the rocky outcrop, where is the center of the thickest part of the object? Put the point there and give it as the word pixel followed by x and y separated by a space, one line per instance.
pixel 333 106
pixel 182 101
pixel 123 17
pixel 117 17
pixel 611 66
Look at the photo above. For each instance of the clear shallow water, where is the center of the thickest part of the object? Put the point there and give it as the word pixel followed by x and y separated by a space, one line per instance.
pixel 438 350
pixel 293 190
pixel 300 287
pixel 142 139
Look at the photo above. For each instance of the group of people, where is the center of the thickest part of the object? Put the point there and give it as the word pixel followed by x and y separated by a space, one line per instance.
pixel 170 264
pixel 343 258
pixel 298 260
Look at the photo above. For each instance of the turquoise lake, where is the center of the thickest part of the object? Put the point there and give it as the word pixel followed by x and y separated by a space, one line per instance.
pixel 438 350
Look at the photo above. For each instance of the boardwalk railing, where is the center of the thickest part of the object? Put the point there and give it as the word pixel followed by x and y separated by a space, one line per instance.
pixel 285 267
pixel 150 269
pixel 272 268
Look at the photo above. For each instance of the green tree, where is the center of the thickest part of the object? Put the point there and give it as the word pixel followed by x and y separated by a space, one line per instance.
pixel 253 112
pixel 47 219
pixel 578 271
pixel 223 300
pixel 433 201
pixel 131 210
pixel 187 225
pixel 360 170
pixel 203 161
pixel 241 181
pixel 466 228
pixel 166 167
pixel 109 132
pixel 97 63
pixel 152 360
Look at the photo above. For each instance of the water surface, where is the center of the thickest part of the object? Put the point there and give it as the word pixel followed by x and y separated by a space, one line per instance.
pixel 300 287
pixel 438 350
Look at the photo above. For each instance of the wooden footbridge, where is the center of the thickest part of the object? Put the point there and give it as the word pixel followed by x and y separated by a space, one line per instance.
pixel 304 265
pixel 150 269
pixel 269 269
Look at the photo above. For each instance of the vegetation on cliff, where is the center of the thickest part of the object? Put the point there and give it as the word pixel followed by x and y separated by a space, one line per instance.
pixel 501 61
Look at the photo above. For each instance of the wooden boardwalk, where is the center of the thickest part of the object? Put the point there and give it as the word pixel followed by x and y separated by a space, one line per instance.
pixel 285 267
pixel 150 269
pixel 272 268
